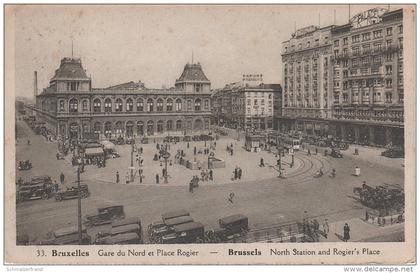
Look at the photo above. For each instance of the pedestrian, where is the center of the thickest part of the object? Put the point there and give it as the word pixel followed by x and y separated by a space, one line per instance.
pixel 309 151
pixel 346 236
pixel 140 176
pixel 231 196
pixel 262 162
pixel 57 156
pixel 157 146
pixel 117 177
pixel 62 178
pixel 231 152
pixel 188 145
pixel 316 151
pixel 235 173
pixel 326 227
pixel 141 150
pixel 211 175
pixel 195 150
pixel 55 186
pixel 29 142
pixel 239 173
pixel 157 178
pixel 191 186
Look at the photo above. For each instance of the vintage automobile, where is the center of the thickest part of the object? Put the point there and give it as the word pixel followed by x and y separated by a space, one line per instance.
pixel 67 236
pixel 154 226
pixel 34 191
pixel 24 165
pixel 72 192
pixel 178 221
pixel 174 214
pixel 144 140
pixel 101 238
pixel 105 215
pixel 123 239
pixel 336 153
pixel 380 197
pixel 188 233
pixel 393 153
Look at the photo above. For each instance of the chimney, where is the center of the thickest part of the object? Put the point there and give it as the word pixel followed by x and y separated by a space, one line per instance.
pixel 35 84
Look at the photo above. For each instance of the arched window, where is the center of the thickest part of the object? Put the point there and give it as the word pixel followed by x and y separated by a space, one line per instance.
pixel 118 105
pixel 129 105
pixel 97 105
pixel 108 129
pixel 178 125
pixel 178 105
pixel 61 105
pixel 159 105
pixel 140 128
pixel 129 128
pixel 73 106
pixel 160 126
pixel 150 127
pixel 149 105
pixel 197 105
pixel 84 105
pixel 169 105
pixel 140 105
pixel 119 127
pixel 108 105
pixel 97 128
pixel 169 125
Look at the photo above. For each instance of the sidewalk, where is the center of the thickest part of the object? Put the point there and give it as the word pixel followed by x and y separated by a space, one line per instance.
pixel 359 230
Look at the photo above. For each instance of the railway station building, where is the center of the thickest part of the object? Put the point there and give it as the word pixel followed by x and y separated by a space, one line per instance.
pixel 72 108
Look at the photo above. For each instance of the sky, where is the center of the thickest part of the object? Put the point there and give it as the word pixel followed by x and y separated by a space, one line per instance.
pixel 152 43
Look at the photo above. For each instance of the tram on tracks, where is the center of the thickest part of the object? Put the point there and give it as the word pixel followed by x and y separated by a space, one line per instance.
pixel 284 140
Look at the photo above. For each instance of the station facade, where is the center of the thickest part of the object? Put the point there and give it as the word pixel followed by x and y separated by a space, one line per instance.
pixel 72 108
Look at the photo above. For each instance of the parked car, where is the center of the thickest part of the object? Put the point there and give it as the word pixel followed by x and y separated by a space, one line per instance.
pixel 67 236
pixel 336 153
pixel 393 153
pixel 34 191
pixel 188 233
pixel 232 226
pixel 72 192
pixel 105 215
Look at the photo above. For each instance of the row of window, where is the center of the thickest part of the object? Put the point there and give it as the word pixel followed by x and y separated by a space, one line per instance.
pixel 139 105
pixel 367 36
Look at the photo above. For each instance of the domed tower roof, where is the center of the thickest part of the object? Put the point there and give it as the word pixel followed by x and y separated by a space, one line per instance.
pixel 192 73
pixel 70 68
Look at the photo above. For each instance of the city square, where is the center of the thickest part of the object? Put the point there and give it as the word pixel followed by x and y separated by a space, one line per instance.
pixel 260 194
pixel 303 144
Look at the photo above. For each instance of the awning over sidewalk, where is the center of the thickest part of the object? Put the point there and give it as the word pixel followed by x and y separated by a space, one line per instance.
pixel 94 152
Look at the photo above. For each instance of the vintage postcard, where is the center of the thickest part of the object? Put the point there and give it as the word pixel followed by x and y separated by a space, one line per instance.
pixel 210 134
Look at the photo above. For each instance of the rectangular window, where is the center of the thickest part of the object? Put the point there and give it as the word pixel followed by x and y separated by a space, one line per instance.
pixel 388 43
pixel 400 29
pixel 345 41
pixel 355 62
pixel 388 69
pixel 73 86
pixel 377 34
pixel 375 70
pixel 389 31
pixel 61 107
pixel 336 43
pixel 389 57
pixel 388 82
pixel 255 102
pixel 356 50
pixel 377 47
pixel 365 36
pixel 355 39
pixel 377 59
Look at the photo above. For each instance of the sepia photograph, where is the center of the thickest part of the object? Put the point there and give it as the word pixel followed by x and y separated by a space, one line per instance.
pixel 206 134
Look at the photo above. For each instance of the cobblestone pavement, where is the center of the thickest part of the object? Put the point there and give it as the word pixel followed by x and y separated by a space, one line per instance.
pixel 263 197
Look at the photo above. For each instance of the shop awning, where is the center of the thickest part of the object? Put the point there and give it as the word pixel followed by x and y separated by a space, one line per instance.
pixel 108 145
pixel 94 152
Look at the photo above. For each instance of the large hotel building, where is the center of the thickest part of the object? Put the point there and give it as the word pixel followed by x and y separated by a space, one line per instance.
pixel 72 108
pixel 347 80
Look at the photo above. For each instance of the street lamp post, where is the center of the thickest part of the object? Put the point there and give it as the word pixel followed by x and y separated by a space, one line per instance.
pixel 166 155
pixel 280 175
pixel 131 169
pixel 79 207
